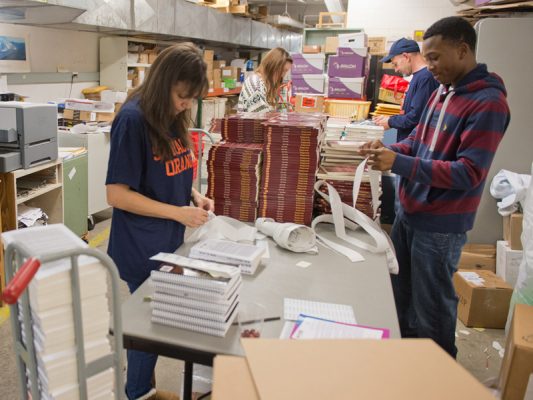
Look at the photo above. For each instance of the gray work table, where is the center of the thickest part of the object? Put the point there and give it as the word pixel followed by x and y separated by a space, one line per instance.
pixel 331 278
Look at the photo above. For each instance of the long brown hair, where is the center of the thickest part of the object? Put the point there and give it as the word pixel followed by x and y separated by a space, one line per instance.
pixel 182 62
pixel 271 70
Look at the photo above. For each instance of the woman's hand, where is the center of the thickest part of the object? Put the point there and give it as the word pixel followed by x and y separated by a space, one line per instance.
pixel 202 202
pixel 192 217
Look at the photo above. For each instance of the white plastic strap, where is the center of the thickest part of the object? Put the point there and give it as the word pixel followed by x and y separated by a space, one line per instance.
pixel 343 216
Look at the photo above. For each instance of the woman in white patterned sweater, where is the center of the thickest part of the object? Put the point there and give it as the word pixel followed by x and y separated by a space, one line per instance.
pixel 260 90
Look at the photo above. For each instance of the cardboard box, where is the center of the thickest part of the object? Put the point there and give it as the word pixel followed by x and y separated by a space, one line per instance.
pixel 309 103
pixel 230 73
pixel 357 40
pixel 218 64
pixel 478 256
pixel 312 49
pixel 152 55
pixel 377 45
pixel 346 88
pixel 414 369
pixel 508 262
pixel 209 55
pixel 517 364
pixel 307 64
pixel 483 298
pixel 332 43
pixel 308 84
pixel 88 116
pixel 143 58
pixel 217 82
pixel 350 66
pixel 209 74
pixel 512 230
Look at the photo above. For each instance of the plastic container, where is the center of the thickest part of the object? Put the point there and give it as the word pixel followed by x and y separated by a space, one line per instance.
pixel 354 109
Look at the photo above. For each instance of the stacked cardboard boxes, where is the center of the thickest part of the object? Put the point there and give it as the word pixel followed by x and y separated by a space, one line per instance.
pixel 347 69
pixel 308 73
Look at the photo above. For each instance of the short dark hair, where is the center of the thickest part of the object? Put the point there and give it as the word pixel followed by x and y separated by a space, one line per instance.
pixel 454 29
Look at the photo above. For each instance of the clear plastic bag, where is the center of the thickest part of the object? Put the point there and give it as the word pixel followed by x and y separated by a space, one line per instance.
pixel 523 292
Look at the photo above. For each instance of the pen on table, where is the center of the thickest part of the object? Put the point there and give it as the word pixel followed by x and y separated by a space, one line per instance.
pixel 252 321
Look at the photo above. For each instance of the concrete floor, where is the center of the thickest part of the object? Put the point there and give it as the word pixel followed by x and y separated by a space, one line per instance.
pixel 477 353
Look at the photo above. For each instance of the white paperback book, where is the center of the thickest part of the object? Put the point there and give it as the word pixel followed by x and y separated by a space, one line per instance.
pixel 246 256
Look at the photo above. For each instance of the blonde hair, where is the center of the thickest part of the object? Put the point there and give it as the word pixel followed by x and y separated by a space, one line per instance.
pixel 271 70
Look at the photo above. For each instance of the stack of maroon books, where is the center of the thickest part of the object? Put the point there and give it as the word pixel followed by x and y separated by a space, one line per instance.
pixel 234 174
pixel 291 158
pixel 244 127
pixel 345 190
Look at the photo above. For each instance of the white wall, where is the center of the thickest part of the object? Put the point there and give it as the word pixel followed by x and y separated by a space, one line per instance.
pixel 53 49
pixel 396 18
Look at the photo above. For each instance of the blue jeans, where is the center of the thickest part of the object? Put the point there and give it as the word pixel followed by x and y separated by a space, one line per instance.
pixel 426 302
pixel 141 367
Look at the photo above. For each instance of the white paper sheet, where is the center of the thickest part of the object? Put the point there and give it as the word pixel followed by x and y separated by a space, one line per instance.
pixel 292 308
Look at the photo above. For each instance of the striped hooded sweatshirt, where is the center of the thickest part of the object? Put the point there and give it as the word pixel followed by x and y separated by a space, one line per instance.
pixel 444 163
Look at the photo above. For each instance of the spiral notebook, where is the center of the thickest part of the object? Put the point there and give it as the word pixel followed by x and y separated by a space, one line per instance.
pixel 179 301
pixel 201 325
pixel 195 293
pixel 195 313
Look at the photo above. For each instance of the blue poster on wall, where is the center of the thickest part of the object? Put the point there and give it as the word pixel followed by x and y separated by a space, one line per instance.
pixel 12 48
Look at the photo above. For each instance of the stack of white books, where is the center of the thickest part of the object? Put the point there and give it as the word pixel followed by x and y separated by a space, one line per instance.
pixel 196 295
pixel 245 256
pixel 50 294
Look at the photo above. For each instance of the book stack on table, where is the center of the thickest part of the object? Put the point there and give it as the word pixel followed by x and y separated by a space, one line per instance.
pixel 340 159
pixel 291 157
pixel 196 295
pixel 234 174
pixel 244 127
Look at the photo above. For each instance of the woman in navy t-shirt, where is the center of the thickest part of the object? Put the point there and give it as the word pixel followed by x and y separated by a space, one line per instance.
pixel 149 180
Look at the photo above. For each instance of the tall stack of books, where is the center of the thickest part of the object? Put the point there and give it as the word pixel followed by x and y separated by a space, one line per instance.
pixel 196 295
pixel 244 127
pixel 291 156
pixel 234 174
pixel 340 158
pixel 51 306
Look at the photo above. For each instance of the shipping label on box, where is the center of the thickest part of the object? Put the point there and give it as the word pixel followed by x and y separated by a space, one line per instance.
pixel 346 66
pixel 230 73
pixel 346 88
pixel 308 84
pixel 303 64
pixel 483 299
pixel 508 262
pixel 309 103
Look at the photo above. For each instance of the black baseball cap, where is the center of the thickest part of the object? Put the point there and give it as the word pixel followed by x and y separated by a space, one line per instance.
pixel 401 46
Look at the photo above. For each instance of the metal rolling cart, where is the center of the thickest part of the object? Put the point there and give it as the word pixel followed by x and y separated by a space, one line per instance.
pixel 197 136
pixel 18 297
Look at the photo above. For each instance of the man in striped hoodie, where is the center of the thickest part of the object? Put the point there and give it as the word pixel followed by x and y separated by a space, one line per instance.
pixel 443 166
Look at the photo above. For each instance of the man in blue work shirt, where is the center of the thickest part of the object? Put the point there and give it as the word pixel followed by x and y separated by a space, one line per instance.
pixel 407 60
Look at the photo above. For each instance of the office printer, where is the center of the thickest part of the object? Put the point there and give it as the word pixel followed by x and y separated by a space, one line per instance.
pixel 28 134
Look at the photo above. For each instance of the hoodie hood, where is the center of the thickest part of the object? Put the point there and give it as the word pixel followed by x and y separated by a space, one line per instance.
pixel 478 79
